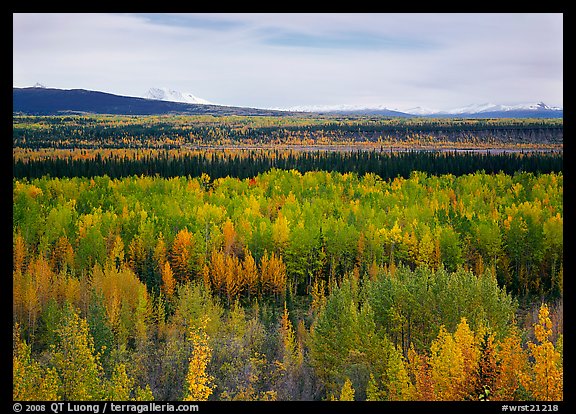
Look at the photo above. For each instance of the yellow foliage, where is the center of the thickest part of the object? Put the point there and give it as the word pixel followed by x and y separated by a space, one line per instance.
pixel 447 364
pixel 168 281
pixel 347 392
pixel 30 381
pixel 545 382
pixel 198 382
pixel 181 254
pixel 513 362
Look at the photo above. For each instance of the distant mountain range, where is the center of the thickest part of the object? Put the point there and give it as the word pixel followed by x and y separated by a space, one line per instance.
pixel 39 100
pixel 47 101
pixel 488 110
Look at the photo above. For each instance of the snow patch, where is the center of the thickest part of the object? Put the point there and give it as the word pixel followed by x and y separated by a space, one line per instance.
pixel 166 94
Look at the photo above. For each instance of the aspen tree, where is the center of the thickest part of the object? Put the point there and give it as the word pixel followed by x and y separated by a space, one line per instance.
pixel 75 360
pixel 513 363
pixel 30 381
pixel 545 382
pixel 199 384
pixel 347 391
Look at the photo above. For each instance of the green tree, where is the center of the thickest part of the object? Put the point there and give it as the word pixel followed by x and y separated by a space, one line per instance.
pixel 75 360
pixel 31 381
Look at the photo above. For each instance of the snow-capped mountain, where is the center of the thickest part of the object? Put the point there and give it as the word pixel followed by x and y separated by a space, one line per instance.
pixel 345 109
pixel 490 107
pixel 488 110
pixel 165 94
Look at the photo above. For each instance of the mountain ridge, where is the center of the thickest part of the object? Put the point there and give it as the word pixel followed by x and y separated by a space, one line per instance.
pixel 486 110
pixel 40 100
pixel 52 101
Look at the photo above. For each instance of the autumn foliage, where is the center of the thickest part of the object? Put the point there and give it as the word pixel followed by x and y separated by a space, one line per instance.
pixel 289 285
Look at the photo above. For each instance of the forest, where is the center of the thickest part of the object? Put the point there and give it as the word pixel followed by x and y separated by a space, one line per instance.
pixel 202 274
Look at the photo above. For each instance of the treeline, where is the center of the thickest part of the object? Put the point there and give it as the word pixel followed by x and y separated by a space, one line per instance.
pixel 288 286
pixel 249 163
pixel 176 131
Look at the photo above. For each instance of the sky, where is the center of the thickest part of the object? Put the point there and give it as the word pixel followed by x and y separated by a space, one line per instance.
pixel 282 60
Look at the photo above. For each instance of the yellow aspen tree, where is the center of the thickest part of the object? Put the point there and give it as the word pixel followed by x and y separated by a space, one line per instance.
pixel 411 242
pixel 17 296
pixel 373 270
pixel 72 290
pixel 545 382
pixel 447 367
pixel 75 360
pixel 121 387
pixel 199 384
pixel 513 363
pixel 120 384
pixel 281 232
pixel 30 382
pixel 466 341
pixel 278 274
pixel 143 394
pixel 168 281
pixel 31 306
pixel 425 254
pixel 347 392
pixel 265 276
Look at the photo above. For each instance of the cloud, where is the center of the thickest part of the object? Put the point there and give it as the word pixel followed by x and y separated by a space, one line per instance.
pixel 270 59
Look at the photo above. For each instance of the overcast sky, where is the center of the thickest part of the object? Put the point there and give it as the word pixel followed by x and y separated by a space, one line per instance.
pixel 400 61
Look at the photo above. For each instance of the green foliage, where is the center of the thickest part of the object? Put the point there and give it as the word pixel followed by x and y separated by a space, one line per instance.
pixel 344 342
pixel 75 360
pixel 412 305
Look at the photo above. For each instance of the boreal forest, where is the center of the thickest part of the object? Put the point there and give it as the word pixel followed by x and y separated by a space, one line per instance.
pixel 205 258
